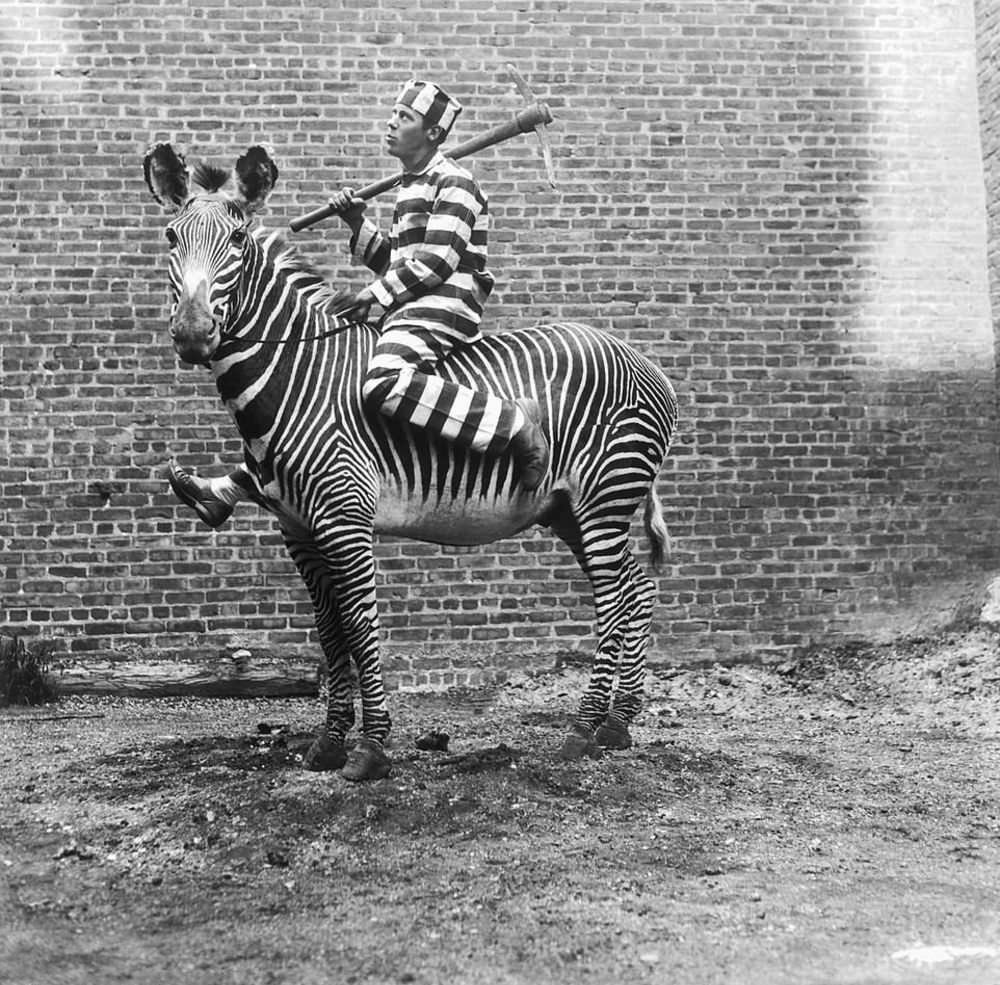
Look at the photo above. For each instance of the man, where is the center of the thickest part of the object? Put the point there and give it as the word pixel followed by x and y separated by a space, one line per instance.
pixel 432 284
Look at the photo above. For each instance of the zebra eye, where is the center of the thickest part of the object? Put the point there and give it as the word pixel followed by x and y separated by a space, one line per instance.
pixel 238 237
pixel 171 236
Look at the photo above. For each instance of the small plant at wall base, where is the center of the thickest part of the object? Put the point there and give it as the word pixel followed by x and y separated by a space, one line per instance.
pixel 24 676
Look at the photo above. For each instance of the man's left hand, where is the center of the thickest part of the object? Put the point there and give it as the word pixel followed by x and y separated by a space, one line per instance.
pixel 356 308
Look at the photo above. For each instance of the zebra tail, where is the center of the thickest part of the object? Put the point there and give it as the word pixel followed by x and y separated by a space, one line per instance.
pixel 656 529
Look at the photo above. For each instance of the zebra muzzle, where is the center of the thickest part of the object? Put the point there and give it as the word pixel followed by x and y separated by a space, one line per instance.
pixel 195 347
pixel 195 331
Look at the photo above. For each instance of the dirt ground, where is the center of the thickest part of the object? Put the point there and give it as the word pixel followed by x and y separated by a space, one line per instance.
pixel 835 820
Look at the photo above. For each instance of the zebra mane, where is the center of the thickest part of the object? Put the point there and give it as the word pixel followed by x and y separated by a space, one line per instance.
pixel 209 177
pixel 287 259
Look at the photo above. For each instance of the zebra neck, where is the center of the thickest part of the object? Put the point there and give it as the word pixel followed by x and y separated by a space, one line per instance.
pixel 283 349
pixel 281 360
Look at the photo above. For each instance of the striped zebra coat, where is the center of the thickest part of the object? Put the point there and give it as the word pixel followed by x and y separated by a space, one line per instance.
pixel 290 373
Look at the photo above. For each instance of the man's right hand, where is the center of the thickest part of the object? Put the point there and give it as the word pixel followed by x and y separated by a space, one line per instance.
pixel 349 207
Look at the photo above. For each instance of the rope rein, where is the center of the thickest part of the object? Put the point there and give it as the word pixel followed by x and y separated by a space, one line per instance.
pixel 336 330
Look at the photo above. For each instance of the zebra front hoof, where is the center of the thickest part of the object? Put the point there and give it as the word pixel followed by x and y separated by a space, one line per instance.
pixel 579 742
pixel 366 761
pixel 613 735
pixel 324 755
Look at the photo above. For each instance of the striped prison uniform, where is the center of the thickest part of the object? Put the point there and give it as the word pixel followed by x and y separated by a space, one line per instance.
pixel 433 284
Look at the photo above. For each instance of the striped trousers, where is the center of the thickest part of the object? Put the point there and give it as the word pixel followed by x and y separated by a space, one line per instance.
pixel 400 383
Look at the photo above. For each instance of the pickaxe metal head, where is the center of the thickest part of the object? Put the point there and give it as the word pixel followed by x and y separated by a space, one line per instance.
pixel 543 141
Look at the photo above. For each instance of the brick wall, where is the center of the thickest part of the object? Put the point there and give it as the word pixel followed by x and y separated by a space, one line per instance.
pixel 781 203
pixel 988 48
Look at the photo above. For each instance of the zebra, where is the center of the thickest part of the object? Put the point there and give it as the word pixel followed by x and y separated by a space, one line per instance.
pixel 251 309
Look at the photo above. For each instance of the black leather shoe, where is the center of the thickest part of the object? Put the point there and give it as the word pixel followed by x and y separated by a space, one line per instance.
pixel 197 493
pixel 530 447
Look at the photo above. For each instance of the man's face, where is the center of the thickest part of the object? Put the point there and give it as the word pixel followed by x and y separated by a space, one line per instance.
pixel 405 136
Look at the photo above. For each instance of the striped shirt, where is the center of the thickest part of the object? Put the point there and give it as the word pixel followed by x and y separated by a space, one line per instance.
pixel 432 267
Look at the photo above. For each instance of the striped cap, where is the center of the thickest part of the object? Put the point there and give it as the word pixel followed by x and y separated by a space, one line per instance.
pixel 432 102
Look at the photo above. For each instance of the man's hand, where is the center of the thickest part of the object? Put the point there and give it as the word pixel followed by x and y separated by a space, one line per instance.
pixel 356 308
pixel 349 207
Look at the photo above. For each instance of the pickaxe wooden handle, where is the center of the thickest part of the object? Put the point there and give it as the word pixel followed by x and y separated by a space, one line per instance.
pixel 529 119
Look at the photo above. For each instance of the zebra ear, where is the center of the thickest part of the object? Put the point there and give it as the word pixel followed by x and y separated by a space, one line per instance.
pixel 166 174
pixel 256 175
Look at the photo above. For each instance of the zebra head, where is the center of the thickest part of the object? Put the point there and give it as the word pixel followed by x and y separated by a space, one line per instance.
pixel 208 237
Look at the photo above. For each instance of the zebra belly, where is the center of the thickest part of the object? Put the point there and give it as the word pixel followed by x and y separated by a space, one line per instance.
pixel 456 521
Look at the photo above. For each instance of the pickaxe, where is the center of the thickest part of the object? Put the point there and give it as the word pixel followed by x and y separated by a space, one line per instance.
pixel 533 117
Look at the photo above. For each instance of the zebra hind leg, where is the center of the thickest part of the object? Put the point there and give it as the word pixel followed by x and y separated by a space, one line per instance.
pixel 602 551
pixel 613 732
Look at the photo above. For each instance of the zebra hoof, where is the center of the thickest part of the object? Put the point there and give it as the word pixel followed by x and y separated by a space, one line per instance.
pixel 579 742
pixel 324 754
pixel 613 735
pixel 366 761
